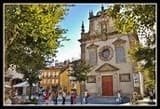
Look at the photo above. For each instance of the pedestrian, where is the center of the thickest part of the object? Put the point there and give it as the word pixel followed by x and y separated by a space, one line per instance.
pixel 134 98
pixel 56 97
pixel 46 96
pixel 151 95
pixel 63 97
pixel 119 99
pixel 86 95
pixel 72 95
pixel 51 98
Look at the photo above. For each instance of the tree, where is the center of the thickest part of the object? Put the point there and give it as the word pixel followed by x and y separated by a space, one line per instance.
pixel 31 77
pixel 80 71
pixel 138 19
pixel 33 28
pixel 32 36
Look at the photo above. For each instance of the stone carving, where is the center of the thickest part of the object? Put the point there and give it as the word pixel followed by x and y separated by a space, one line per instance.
pixel 106 53
pixel 107 67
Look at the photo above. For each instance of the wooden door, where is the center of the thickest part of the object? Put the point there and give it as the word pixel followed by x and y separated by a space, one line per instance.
pixel 107 86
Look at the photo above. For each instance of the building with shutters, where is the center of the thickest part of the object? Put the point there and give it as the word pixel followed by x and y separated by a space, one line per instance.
pixel 58 75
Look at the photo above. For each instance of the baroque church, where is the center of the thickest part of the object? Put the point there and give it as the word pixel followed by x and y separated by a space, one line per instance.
pixel 107 51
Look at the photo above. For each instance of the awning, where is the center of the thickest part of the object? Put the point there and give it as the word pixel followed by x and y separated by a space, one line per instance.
pixel 23 84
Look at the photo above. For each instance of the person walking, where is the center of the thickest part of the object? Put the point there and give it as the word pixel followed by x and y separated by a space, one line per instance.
pixel 86 95
pixel 119 99
pixel 51 98
pixel 55 96
pixel 63 97
pixel 46 96
pixel 72 95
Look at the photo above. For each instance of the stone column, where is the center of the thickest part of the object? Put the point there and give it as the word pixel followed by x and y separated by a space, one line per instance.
pixel 24 90
pixel 99 86
pixel 83 51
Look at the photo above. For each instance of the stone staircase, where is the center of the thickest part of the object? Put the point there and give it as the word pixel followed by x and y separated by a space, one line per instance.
pixel 106 100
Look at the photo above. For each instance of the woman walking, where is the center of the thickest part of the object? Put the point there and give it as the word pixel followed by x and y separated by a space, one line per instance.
pixel 46 96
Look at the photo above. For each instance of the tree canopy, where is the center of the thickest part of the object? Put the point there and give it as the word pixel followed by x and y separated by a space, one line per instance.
pixel 32 33
pixel 80 70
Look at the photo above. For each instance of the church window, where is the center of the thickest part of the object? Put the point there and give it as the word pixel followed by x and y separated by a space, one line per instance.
pixel 120 54
pixel 92 56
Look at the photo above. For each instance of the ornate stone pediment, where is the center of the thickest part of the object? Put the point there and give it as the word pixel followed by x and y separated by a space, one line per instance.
pixel 119 42
pixel 106 67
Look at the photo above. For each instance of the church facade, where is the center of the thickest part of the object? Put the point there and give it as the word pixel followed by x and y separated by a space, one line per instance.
pixel 107 51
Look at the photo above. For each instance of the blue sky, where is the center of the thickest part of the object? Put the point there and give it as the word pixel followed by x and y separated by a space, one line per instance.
pixel 72 22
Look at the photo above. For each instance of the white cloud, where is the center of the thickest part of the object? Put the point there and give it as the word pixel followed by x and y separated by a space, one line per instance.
pixel 69 53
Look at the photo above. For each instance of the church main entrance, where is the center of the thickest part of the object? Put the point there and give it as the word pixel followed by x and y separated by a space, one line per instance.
pixel 107 86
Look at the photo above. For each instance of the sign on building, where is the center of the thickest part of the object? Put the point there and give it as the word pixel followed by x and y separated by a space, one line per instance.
pixel 136 80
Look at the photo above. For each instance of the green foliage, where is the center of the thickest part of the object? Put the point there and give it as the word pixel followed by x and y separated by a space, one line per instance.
pixel 80 70
pixel 133 18
pixel 140 19
pixel 33 27
pixel 150 84
pixel 32 36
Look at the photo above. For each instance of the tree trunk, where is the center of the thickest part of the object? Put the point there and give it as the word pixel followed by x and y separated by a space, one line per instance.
pixel 30 92
pixel 81 92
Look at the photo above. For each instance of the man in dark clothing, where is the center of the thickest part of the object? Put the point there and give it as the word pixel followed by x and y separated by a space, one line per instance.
pixel 63 97
pixel 72 95
pixel 55 97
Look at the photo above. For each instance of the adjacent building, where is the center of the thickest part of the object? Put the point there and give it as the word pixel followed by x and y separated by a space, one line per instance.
pixel 49 77
pixel 67 82
pixel 107 51
pixel 12 77
pixel 59 75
